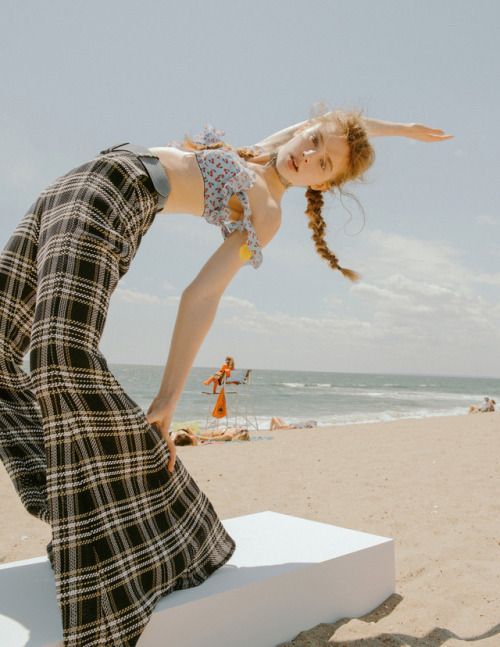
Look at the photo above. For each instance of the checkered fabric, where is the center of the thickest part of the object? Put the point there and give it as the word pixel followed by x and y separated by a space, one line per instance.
pixel 79 450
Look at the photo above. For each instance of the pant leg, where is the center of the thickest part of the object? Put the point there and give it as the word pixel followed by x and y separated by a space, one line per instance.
pixel 124 531
pixel 90 424
pixel 21 437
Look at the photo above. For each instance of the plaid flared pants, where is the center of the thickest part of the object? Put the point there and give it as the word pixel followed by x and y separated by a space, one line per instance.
pixel 78 449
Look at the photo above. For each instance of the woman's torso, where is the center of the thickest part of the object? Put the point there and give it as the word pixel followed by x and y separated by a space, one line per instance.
pixel 188 185
pixel 209 178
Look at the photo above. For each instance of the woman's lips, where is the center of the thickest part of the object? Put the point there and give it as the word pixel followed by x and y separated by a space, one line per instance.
pixel 291 164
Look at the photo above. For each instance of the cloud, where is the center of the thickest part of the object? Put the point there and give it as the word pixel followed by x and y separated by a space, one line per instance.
pixel 235 302
pixel 422 290
pixel 135 296
pixel 168 287
pixel 486 219
pixel 423 260
pixel 423 311
pixel 487 279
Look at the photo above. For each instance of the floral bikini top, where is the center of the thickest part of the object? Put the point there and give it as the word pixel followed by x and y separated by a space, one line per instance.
pixel 225 174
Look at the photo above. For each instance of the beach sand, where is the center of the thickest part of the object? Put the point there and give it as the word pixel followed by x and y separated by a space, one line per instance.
pixel 433 485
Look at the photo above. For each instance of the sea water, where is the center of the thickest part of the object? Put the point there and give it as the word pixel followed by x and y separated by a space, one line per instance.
pixel 327 397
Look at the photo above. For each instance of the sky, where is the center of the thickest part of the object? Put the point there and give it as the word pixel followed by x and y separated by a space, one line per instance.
pixel 79 77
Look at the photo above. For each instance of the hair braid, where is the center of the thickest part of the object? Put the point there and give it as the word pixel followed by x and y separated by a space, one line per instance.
pixel 317 225
pixel 361 157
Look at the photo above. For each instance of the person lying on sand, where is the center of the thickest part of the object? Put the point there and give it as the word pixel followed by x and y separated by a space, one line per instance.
pixel 279 423
pixel 186 436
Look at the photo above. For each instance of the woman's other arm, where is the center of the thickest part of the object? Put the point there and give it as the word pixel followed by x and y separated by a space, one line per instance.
pixel 280 137
pixel 196 313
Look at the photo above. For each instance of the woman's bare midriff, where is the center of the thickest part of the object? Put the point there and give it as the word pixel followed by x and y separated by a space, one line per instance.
pixel 187 194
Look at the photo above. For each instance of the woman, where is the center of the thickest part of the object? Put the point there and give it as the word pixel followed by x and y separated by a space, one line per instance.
pixel 128 522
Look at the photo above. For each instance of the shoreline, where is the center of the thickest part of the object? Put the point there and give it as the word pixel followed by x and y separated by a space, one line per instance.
pixel 446 414
pixel 431 484
pixel 361 422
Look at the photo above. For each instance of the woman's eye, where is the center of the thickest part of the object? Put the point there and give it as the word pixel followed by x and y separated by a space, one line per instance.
pixel 314 140
pixel 323 165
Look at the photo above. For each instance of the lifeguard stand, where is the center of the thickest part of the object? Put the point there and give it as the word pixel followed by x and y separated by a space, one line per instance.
pixel 239 402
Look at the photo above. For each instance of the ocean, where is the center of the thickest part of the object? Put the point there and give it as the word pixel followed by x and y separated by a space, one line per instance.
pixel 328 398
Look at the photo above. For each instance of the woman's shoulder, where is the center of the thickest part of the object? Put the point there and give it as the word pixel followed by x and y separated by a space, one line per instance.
pixel 266 212
pixel 263 199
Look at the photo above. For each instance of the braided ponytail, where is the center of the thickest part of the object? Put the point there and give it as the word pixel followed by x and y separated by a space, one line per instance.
pixel 317 225
pixel 361 157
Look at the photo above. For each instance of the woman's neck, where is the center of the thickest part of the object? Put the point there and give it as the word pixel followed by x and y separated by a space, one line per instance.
pixel 277 185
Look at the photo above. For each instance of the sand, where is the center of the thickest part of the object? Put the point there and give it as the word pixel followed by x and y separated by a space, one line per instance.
pixel 433 485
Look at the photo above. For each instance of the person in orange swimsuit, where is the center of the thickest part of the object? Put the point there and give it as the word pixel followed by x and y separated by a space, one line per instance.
pixel 218 377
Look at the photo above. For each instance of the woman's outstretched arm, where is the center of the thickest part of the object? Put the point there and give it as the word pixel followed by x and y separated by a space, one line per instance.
pixel 379 128
pixel 374 128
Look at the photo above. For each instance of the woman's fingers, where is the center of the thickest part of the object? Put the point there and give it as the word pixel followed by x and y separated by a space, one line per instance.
pixel 171 459
pixel 162 424
pixel 435 138
pixel 426 134
pixel 430 137
pixel 164 427
pixel 439 138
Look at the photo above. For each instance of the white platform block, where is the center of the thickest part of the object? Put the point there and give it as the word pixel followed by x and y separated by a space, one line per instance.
pixel 287 574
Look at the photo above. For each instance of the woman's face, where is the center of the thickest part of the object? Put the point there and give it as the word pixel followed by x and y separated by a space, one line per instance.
pixel 313 157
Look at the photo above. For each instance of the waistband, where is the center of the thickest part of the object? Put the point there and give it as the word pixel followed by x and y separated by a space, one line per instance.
pixel 153 167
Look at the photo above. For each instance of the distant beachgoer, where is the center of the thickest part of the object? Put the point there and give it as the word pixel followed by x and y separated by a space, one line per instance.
pixel 218 377
pixel 485 407
pixel 182 437
pixel 186 436
pixel 231 433
pixel 488 406
pixel 279 423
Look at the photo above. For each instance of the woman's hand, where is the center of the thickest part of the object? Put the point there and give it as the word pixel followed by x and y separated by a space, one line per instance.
pixel 160 413
pixel 424 133
pixel 379 128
